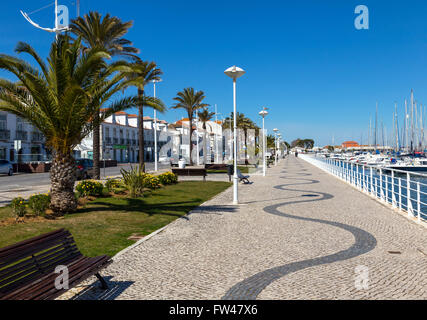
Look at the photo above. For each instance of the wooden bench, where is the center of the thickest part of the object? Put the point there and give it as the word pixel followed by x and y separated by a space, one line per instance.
pixel 190 172
pixel 27 268
pixel 216 166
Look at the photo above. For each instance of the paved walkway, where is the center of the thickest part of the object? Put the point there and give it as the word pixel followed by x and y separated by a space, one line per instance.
pixel 298 234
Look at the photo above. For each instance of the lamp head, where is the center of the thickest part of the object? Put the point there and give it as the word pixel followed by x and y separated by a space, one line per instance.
pixel 234 72
pixel 263 113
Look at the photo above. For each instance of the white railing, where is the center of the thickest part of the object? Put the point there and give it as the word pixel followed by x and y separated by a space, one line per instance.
pixel 403 190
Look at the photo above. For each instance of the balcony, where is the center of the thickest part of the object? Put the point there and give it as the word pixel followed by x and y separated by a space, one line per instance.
pixel 4 134
pixel 21 135
pixel 36 137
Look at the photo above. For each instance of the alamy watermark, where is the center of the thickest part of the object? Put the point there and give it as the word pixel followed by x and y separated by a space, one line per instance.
pixel 362 20
pixel 361 280
pixel 62 281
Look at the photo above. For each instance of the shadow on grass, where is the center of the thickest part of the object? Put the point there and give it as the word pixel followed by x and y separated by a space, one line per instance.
pixel 175 209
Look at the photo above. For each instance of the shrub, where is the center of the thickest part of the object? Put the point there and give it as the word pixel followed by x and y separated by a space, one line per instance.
pixel 134 181
pixel 151 181
pixel 113 184
pixel 18 205
pixel 168 178
pixel 39 203
pixel 90 188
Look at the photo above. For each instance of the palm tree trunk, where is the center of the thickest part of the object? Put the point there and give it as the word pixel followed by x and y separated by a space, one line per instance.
pixel 96 146
pixel 141 133
pixel 190 118
pixel 63 177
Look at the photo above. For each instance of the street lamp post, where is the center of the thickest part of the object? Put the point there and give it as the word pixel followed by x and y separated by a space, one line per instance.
pixel 263 114
pixel 197 141
pixel 155 129
pixel 234 73
pixel 275 145
pixel 215 136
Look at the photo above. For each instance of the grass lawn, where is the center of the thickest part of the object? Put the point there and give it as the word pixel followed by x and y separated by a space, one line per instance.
pixel 104 225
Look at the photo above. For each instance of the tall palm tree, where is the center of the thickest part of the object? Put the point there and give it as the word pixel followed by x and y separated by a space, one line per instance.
pixel 204 117
pixel 142 73
pixel 105 33
pixel 59 99
pixel 191 101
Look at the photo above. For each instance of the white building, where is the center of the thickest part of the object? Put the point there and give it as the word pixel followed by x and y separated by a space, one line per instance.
pixel 20 141
pixel 119 139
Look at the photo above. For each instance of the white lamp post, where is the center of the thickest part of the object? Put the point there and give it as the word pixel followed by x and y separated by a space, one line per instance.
pixel 197 141
pixel 155 129
pixel 234 73
pixel 263 114
pixel 275 145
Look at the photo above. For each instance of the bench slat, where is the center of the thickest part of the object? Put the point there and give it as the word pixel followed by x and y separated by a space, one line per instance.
pixel 27 268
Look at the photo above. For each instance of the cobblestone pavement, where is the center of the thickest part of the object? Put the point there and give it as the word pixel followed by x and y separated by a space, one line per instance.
pixel 299 233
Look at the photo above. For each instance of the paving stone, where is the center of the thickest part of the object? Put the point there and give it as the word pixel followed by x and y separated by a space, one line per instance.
pixel 299 233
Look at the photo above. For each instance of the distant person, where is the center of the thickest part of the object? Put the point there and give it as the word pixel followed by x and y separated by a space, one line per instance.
pixel 296 154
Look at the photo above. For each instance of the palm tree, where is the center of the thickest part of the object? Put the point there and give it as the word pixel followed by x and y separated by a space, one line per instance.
pixel 105 33
pixel 142 73
pixel 59 99
pixel 204 117
pixel 191 101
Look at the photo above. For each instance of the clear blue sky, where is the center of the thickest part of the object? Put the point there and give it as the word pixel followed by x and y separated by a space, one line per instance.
pixel 304 59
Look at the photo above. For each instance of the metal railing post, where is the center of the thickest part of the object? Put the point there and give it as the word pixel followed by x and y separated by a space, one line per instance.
pixel 400 194
pixel 418 202
pixel 363 182
pixel 381 185
pixel 408 193
pixel 386 188
pixel 372 186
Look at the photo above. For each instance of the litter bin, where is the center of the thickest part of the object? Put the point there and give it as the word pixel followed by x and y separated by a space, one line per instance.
pixel 181 164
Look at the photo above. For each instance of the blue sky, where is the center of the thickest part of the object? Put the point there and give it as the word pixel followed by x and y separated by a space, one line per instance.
pixel 304 59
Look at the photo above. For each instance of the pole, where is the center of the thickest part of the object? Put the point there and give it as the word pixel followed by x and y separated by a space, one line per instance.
pixel 197 141
pixel 215 135
pixel 56 19
pixel 263 148
pixel 78 8
pixel 235 178
pixel 155 133
pixel 275 153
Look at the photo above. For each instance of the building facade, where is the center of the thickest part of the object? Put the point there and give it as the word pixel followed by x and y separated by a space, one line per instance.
pixel 119 139
pixel 20 141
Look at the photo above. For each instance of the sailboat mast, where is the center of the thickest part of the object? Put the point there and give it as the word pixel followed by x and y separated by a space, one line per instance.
pixel 412 120
pixel 376 126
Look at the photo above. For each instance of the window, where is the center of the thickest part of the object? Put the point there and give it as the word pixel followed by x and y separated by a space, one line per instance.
pixel 3 153
pixel 3 121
